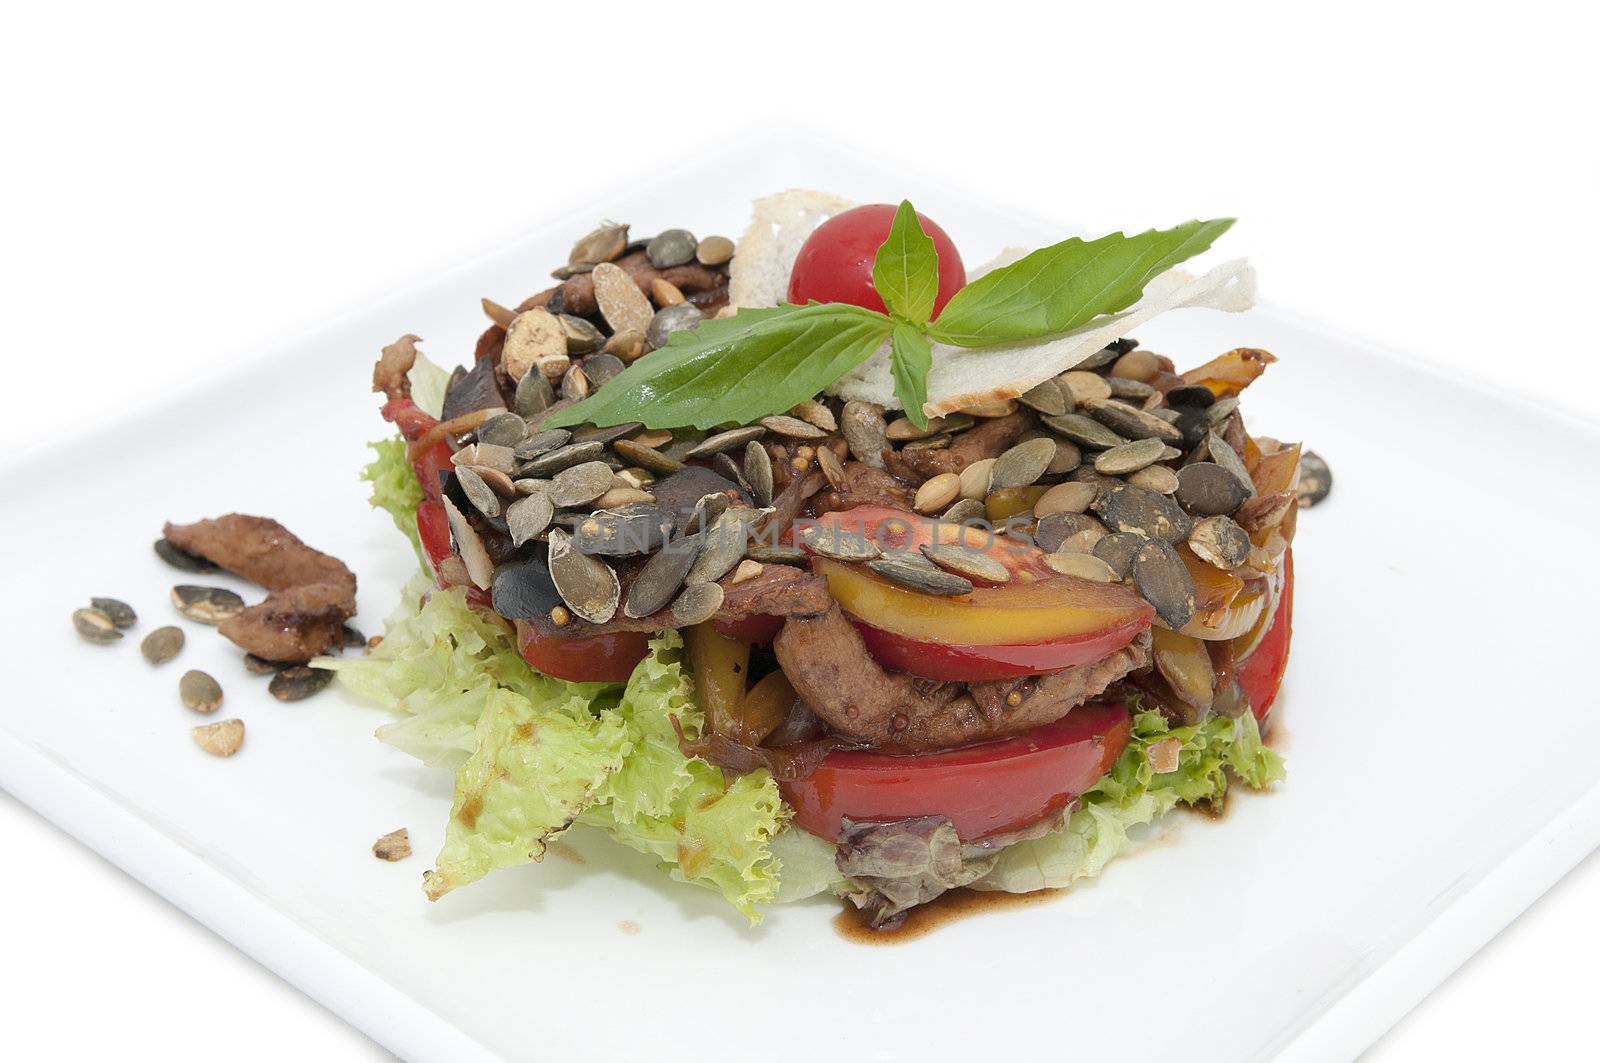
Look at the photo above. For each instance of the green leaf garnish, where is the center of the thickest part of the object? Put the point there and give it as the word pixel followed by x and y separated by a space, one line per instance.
pixel 736 369
pixel 911 358
pixel 1058 288
pixel 906 269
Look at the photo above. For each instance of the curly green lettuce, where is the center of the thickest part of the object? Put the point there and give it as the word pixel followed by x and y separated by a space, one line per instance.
pixel 395 489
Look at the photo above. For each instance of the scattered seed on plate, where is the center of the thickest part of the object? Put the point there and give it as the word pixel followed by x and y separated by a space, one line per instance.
pixel 552 462
pixel 162 644
pixel 721 548
pixel 1129 389
pixel 1081 565
pixel 580 484
pixel 206 605
pixel 814 411
pixel 1053 530
pixel 964 561
pixel 661 578
pixel 479 493
pixel 1316 479
pixel 1137 365
pixel 604 244
pixel 919 574
pixel 180 558
pixel 503 430
pixel 1224 455
pixel 396 845
pixel 298 682
pixel 696 604
pixel 574 384
pixel 533 396
pixel 1132 422
pixel 1083 430
pixel 779 554
pixel 1073 497
pixel 831 466
pixel 119 613
pixel 220 739
pixel 95 626
pixel 1220 541
pixel 582 336
pixel 621 494
pixel 199 691
pixel 1222 409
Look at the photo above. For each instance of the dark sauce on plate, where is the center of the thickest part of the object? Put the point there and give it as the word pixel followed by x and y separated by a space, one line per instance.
pixel 941 911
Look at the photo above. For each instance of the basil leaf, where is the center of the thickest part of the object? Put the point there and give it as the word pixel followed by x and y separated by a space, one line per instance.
pixel 906 271
pixel 740 368
pixel 1058 288
pixel 911 356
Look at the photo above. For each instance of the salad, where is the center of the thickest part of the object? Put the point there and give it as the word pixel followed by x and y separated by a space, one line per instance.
pixel 822 563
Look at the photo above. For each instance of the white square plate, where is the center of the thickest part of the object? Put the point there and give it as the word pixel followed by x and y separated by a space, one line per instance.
pixel 1424 806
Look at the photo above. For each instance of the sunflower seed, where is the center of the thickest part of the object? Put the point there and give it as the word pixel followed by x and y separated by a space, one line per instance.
pixel 833 541
pixel 674 247
pixel 1207 489
pixel 661 578
pixel 963 561
pixel 714 250
pixel 483 499
pixel 621 303
pixel 758 472
pixel 1316 479
pixel 779 555
pixel 916 572
pixel 697 604
pixel 1162 580
pixel 1157 478
pixel 162 644
pixel 1084 386
pixel 602 368
pixel 964 511
pixel 535 340
pixel 1081 565
pixel 180 558
pixel 1132 422
pixel 199 691
pixel 716 444
pixel 1133 509
pixel 610 434
pixel 120 613
pixel 1220 541
pixel 1193 395
pixel 1083 430
pixel 206 605
pixel 527 518
pixel 95 626
pixel 299 682
pixel 1048 397
pixel 1118 550
pixel 669 319
pixel 1136 365
pixel 221 739
pixel 815 412
pixel 1065 498
pixel 560 458
pixel 636 453
pixel 1023 464
pixel 540 443
pixel 586 584
pixel 503 430
pixel 604 244
pixel 937 492
pixel 792 427
pixel 864 431
pixel 831 467
pixel 1129 457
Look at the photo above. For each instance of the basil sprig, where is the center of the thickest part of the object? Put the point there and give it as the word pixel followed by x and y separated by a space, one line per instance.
pixel 765 361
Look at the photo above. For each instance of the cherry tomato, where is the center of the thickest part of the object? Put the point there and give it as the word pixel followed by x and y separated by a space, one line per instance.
pixel 596 659
pixel 985 790
pixel 1261 674
pixel 835 262
pixel 969 663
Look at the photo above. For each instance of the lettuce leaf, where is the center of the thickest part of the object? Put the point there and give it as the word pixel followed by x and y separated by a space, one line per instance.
pixel 395 489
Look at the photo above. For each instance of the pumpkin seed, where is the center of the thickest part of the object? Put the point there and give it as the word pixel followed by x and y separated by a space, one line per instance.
pixel 581 483
pixel 503 430
pixel 792 427
pixel 483 499
pixel 938 442
pixel 261 666
pixel 917 573
pixel 561 458
pixel 1052 531
pixel 758 472
pixel 535 340
pixel 1083 430
pixel 647 457
pixel 180 558
pixel 120 613
pixel 832 467
pixel 990 408
pixel 937 492
pixel 964 511
pixel 487 456
pixel 661 578
pixel 527 518
pixel 728 469
pixel 621 303
pixel 654 437
pixel 604 244
pixel 716 444
pixel 1137 365
pixel 1220 541
pixel 707 511
pixel 1207 489
pixel 721 548
pixel 582 336
pixel 1229 459
pixel 1081 565
pixel 206 605
pixel 1104 357
pixel 531 486
pixel 833 541
pixel 1129 457
pixel 609 434
pixel 901 430
pixel 627 531
pixel 1132 422
pixel 964 561
pixel 814 411
pixel 779 555
pixel 1316 479
pixel 977 478
pixel 1023 464
pixel 1084 386
pixel 469 544
pixel 199 691
pixel 299 682
pixel 864 431
pixel 1048 397
pixel 673 247
pixel 221 739
pixel 1133 509
pixel 714 250
pixel 585 583
pixel 575 384
pixel 696 604
pixel 1067 458
pixel 601 368
pixel 1129 390
pixel 1222 409
pixel 540 443
pixel 1065 498
pixel 162 644
pixel 1194 395
pixel 95 626
pixel 622 495
pixel 1118 551
pixel 669 319
pixel 1157 478
pixel 1162 580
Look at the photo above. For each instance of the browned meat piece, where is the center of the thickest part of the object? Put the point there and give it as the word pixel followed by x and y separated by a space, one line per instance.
pixel 830 668
pixel 311 594
pixel 576 294
pixel 389 374
pixel 985 440
pixel 863 486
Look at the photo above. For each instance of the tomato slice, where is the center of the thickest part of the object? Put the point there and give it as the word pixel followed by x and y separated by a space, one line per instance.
pixel 596 659
pixel 1261 674
pixel 984 790
pixel 967 663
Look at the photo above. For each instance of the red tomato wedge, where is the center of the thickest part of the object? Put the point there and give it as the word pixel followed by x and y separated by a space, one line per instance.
pixel 596 659
pixel 968 663
pixel 984 790
pixel 1261 674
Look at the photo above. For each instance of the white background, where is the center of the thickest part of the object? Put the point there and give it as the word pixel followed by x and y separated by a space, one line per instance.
pixel 184 185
